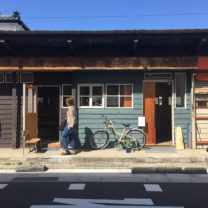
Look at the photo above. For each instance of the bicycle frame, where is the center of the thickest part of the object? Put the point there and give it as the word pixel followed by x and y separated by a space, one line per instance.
pixel 119 136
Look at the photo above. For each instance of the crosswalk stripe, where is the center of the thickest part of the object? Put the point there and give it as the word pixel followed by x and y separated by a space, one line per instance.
pixel 2 186
pixel 92 202
pixel 153 188
pixel 76 186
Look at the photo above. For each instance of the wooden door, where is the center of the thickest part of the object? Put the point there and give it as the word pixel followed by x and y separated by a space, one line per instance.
pixel 149 111
pixel 30 109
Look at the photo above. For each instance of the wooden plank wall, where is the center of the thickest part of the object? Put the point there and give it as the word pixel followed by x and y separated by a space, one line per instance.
pixel 201 114
pixel 6 115
pixel 90 119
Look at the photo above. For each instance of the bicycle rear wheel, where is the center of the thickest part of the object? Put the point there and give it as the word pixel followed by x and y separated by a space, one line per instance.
pixel 139 136
pixel 99 139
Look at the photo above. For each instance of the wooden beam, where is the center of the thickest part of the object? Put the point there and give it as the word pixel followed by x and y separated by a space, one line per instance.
pixel 14 112
pixel 8 48
pixel 97 63
pixel 71 47
pixel 200 44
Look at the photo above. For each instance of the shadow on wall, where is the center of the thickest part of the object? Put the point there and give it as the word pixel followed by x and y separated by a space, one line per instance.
pixel 88 134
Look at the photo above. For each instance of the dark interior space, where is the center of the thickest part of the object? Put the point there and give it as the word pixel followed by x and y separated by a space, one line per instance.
pixel 163 112
pixel 48 113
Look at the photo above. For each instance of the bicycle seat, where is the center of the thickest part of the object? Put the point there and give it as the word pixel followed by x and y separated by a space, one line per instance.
pixel 126 125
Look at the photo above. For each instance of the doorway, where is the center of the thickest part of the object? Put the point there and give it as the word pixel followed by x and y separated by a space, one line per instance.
pixel 48 114
pixel 158 111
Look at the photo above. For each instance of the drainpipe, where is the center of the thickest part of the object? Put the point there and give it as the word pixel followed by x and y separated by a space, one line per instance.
pixel 193 138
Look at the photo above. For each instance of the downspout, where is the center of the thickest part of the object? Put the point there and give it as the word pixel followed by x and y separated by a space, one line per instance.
pixel 193 111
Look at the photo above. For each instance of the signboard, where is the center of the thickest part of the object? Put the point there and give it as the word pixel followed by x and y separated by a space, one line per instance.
pixel 141 121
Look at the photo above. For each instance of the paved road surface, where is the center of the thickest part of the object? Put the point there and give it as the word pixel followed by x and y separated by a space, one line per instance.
pixel 20 193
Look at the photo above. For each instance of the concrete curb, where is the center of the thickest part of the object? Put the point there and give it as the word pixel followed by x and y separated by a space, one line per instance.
pixel 195 170
pixel 179 170
pixel 34 168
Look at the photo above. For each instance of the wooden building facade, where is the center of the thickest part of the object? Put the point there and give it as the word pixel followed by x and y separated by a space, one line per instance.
pixel 122 74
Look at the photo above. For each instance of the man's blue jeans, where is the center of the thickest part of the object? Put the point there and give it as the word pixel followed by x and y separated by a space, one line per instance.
pixel 68 133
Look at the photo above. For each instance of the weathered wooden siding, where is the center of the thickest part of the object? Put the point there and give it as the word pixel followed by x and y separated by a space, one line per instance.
pixel 5 115
pixel 201 113
pixel 182 116
pixel 90 119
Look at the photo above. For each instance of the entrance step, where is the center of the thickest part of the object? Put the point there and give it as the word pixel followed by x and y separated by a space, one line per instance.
pixel 51 144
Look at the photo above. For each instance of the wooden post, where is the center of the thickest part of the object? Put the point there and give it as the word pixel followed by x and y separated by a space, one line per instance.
pixel 14 111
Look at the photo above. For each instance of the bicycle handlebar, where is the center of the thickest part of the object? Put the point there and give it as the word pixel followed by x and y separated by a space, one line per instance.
pixel 108 120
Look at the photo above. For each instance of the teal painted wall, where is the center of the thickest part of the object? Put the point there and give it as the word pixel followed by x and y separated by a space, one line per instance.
pixel 182 116
pixel 90 119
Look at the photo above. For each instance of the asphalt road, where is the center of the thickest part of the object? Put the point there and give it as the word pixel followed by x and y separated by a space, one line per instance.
pixel 22 194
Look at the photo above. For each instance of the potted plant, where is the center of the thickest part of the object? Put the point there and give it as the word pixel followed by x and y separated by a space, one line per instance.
pixel 126 145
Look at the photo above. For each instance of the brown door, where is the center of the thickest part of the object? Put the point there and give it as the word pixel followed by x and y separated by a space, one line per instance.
pixel 149 111
pixel 30 109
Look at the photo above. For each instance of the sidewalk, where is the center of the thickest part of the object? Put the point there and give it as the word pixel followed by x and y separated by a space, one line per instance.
pixel 140 161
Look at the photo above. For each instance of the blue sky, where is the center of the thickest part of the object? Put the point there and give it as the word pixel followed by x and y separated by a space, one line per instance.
pixel 109 14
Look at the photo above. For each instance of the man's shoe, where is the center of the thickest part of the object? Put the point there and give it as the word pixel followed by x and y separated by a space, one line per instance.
pixel 65 153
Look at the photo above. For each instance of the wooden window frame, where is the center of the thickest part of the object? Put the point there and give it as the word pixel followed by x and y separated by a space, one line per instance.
pixel 64 96
pixel 119 95
pixel 90 95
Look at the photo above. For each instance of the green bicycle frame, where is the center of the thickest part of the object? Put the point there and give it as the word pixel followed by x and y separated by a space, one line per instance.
pixel 119 136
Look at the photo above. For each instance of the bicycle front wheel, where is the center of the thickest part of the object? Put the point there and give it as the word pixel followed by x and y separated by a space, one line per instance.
pixel 99 139
pixel 139 136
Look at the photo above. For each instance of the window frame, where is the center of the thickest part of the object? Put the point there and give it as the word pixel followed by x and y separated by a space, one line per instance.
pixel 62 95
pixel 119 95
pixel 5 77
pixel 90 95
pixel 181 107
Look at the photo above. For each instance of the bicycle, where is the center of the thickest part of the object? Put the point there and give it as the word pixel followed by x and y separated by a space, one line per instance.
pixel 133 138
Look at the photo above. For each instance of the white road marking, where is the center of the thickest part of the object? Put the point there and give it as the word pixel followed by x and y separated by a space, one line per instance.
pixel 51 206
pixel 153 187
pixel 91 202
pixel 76 186
pixel 2 186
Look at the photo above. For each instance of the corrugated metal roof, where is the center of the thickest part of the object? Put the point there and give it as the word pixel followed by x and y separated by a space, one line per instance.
pixel 110 32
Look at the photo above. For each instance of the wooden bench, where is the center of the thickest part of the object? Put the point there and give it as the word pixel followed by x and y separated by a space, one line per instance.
pixel 28 141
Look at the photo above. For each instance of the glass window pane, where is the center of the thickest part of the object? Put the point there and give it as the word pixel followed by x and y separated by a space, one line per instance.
pixel 26 77
pixel 84 101
pixel 125 102
pixel 97 101
pixel 8 77
pixel 125 90
pixel 112 102
pixel 29 100
pixel 84 90
pixel 34 101
pixel 96 90
pixel 67 90
pixel 1 77
pixel 64 102
pixel 201 103
pixel 112 90
pixel 180 90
